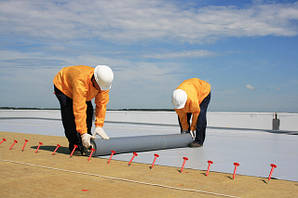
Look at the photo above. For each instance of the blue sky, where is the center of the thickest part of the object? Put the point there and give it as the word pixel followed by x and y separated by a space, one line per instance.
pixel 247 50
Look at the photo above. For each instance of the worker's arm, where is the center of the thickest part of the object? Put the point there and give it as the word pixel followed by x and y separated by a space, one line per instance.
pixel 195 116
pixel 183 119
pixel 195 110
pixel 80 106
pixel 101 101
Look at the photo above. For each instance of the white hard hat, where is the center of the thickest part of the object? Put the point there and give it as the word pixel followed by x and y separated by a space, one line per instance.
pixel 104 76
pixel 179 98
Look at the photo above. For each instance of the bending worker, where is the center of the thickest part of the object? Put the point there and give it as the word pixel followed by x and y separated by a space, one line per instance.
pixel 75 87
pixel 191 99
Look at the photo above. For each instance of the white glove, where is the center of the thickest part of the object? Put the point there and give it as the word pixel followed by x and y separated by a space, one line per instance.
pixel 99 131
pixel 193 134
pixel 86 140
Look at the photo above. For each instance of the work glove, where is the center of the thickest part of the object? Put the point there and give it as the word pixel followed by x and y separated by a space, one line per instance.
pixel 86 140
pixel 193 134
pixel 99 131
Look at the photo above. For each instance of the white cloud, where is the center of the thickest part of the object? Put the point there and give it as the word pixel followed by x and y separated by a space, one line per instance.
pixel 250 87
pixel 11 55
pixel 136 84
pixel 52 34
pixel 129 20
pixel 184 54
pixel 29 60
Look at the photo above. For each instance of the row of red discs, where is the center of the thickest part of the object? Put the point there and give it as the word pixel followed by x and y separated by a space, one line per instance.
pixel 236 164
pixel 40 143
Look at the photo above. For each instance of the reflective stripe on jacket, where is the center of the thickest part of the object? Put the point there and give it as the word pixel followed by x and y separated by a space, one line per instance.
pixel 197 90
pixel 75 82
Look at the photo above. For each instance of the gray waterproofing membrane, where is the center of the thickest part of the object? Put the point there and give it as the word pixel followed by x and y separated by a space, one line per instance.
pixel 244 137
pixel 140 143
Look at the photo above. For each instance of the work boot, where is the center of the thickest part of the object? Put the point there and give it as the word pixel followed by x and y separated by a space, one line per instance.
pixel 195 144
pixel 80 149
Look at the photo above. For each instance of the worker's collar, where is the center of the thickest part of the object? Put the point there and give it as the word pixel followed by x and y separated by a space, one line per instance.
pixel 94 83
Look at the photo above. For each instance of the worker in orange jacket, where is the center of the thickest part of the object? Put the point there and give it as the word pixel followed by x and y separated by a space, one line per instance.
pixel 75 87
pixel 191 99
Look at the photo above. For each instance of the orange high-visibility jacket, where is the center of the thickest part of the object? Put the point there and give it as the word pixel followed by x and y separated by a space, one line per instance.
pixel 197 90
pixel 75 82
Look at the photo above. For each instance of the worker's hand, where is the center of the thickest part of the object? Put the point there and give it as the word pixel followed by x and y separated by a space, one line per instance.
pixel 86 140
pixel 99 131
pixel 193 134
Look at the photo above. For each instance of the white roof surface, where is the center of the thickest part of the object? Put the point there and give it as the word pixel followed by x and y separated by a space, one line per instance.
pixel 243 137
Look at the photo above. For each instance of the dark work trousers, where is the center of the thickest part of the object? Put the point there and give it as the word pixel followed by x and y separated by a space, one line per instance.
pixel 68 119
pixel 201 122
